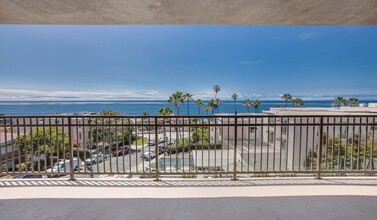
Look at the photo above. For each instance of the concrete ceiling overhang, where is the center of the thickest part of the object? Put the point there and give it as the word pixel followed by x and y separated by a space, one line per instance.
pixel 224 12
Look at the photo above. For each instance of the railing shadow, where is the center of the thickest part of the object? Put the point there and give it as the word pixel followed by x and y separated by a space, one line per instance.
pixel 260 182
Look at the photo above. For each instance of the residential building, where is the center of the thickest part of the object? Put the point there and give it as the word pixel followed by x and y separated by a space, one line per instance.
pixel 288 139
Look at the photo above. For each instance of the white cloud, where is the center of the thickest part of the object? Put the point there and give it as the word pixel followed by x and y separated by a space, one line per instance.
pixel 225 95
pixel 51 95
pixel 33 94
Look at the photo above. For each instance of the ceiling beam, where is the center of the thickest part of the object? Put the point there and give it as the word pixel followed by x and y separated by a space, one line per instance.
pixel 217 12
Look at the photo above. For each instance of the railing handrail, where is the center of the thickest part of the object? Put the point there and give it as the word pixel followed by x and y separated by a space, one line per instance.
pixel 257 115
pixel 297 136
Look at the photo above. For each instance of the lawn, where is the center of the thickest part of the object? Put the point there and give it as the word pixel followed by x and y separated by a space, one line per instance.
pixel 139 141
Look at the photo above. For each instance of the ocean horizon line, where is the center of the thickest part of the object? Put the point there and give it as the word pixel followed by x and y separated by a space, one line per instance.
pixel 165 100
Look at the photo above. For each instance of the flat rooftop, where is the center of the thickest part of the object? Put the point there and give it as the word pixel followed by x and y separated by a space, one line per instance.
pixel 323 111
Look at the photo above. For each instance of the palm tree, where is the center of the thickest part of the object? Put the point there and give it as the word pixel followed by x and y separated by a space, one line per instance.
pixel 199 103
pixel 235 97
pixel 339 101
pixel 165 111
pixel 297 102
pixel 353 101
pixel 176 99
pixel 345 102
pixel 287 97
pixel 187 97
pixel 216 88
pixel 208 107
pixel 215 104
pixel 211 103
pixel 255 104
pixel 247 103
pixel 145 113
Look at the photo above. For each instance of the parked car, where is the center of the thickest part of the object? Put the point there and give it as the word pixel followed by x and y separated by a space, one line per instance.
pixel 123 150
pixel 161 148
pixel 37 158
pixel 161 140
pixel 148 155
pixel 107 156
pixel 97 158
pixel 151 143
pixel 59 167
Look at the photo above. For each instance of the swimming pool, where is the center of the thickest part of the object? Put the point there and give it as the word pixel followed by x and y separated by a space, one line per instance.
pixel 175 162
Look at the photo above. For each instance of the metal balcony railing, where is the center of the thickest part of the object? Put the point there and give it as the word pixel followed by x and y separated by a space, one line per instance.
pixel 156 146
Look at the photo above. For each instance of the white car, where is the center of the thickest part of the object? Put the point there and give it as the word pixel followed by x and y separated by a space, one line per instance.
pixel 97 158
pixel 151 143
pixel 59 167
pixel 148 155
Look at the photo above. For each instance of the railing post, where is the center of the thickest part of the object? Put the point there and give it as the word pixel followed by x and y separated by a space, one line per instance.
pixel 319 153
pixel 235 149
pixel 156 148
pixel 71 162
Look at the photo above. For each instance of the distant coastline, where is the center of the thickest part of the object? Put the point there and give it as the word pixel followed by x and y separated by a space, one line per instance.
pixel 132 107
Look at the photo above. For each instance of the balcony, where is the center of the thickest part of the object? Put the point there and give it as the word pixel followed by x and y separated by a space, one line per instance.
pixel 158 147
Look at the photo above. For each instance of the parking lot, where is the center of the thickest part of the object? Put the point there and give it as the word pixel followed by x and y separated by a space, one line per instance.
pixel 133 161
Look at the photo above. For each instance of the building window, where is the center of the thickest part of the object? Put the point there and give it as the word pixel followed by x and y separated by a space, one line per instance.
pixel 79 135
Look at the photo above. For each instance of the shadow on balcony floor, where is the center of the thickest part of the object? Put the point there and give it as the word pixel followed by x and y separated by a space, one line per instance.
pixel 344 181
pixel 295 207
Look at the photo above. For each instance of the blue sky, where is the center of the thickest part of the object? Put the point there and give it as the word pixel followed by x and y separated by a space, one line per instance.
pixel 150 62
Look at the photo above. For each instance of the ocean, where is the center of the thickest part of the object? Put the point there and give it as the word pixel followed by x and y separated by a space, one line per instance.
pixel 134 107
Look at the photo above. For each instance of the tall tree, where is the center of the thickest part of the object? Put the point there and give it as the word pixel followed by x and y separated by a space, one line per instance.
pixel 54 141
pixel 256 104
pixel 287 97
pixel 353 101
pixel 207 107
pixel 176 99
pixel 235 97
pixel 110 134
pixel 188 97
pixel 339 101
pixel 199 103
pixel 215 104
pixel 216 89
pixel 297 102
pixel 247 103
pixel 200 136
pixel 165 111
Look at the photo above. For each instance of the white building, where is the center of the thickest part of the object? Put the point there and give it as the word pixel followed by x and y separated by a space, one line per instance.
pixel 285 140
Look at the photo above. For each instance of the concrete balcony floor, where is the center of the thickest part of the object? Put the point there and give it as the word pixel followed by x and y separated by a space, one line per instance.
pixel 256 198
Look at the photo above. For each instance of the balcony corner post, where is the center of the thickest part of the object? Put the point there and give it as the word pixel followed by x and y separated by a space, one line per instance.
pixel 71 162
pixel 319 154
pixel 156 148
pixel 235 150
